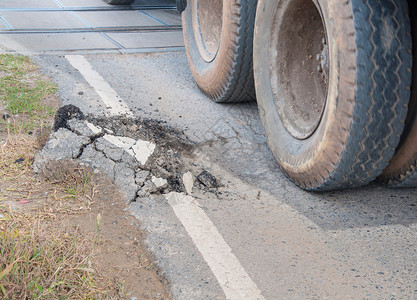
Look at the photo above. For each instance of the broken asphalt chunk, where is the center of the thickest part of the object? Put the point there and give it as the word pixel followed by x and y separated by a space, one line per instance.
pixel 143 150
pixel 65 113
pixel 207 179
pixel 141 176
pixel 84 128
pixel 63 144
pixel 188 182
pixel 159 182
pixel 140 150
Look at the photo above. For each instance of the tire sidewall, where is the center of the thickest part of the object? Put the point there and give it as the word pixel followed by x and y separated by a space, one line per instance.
pixel 207 73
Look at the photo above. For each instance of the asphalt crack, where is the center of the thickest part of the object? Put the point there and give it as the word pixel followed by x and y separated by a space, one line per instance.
pixel 92 141
pixel 142 157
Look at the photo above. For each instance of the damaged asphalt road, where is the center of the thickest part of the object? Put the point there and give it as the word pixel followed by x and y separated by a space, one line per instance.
pixel 125 150
pixel 148 161
pixel 284 242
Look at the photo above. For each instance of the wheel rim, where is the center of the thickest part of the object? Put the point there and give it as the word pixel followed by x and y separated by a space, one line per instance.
pixel 207 23
pixel 299 66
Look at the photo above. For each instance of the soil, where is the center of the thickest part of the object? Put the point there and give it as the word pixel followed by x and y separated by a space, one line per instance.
pixel 122 254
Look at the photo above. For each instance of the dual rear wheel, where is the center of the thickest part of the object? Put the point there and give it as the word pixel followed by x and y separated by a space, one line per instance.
pixel 333 82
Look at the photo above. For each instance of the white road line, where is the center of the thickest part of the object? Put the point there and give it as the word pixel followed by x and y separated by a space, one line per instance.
pixel 233 279
pixel 115 104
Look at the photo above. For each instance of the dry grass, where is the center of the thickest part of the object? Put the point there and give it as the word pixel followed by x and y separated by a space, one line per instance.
pixel 39 259
pixel 38 263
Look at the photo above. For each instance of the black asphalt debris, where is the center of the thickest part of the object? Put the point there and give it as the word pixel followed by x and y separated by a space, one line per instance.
pixel 65 113
pixel 19 160
pixel 207 179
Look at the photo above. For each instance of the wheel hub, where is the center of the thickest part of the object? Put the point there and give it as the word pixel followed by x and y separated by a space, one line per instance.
pixel 299 66
pixel 207 24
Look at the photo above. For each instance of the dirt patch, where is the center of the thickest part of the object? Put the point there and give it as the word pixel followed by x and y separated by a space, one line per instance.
pixel 121 255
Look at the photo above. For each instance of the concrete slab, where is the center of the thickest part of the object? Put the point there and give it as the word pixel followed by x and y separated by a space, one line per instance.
pixel 42 20
pixel 56 41
pixel 103 19
pixel 156 39
pixel 101 3
pixel 28 4
pixel 83 3
pixel 2 24
pixel 169 17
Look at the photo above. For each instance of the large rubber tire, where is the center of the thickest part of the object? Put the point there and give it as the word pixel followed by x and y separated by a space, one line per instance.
pixel 119 2
pixel 337 127
pixel 402 169
pixel 218 37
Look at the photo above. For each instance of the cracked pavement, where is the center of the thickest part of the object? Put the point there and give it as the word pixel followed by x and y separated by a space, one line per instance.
pixel 134 164
pixel 358 243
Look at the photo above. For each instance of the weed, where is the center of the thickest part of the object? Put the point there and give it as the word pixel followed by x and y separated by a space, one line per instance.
pixel 98 222
pixel 75 180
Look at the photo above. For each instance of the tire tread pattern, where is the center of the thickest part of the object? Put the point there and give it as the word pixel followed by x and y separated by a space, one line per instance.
pixel 382 93
pixel 406 179
pixel 402 170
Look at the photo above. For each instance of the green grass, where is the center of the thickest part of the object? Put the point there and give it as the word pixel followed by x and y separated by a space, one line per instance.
pixel 23 91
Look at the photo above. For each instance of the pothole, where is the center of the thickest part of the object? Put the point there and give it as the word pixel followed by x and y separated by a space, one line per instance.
pixel 142 157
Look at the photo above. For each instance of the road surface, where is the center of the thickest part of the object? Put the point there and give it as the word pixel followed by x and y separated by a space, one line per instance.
pixel 257 234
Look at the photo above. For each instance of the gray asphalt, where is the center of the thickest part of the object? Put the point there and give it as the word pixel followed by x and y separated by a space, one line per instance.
pixel 292 243
pixel 359 243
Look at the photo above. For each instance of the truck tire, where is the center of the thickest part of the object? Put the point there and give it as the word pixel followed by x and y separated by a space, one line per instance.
pixel 332 81
pixel 402 169
pixel 218 37
pixel 119 2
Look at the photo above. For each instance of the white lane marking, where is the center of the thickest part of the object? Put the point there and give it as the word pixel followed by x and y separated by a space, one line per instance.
pixel 124 143
pixel 141 150
pixel 232 277
pixel 93 128
pixel 158 182
pixel 188 181
pixel 114 104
